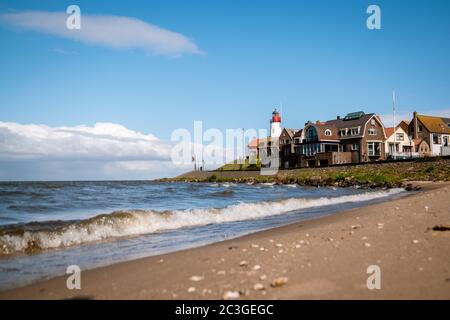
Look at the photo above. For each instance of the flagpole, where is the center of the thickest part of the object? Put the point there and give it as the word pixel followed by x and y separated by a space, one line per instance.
pixel 395 134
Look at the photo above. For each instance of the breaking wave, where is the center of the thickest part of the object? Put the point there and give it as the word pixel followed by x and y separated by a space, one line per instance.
pixel 37 236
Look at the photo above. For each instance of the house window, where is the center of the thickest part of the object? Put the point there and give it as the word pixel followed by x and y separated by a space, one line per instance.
pixel 372 122
pixel 343 132
pixel 311 134
pixel 373 149
pixel 355 146
pixel 331 147
pixel 400 137
pixel 328 132
pixel 446 141
pixel 372 132
pixel 354 131
pixel 420 128
pixel 437 138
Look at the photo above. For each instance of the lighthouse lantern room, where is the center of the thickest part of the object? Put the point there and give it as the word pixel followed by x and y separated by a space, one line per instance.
pixel 275 124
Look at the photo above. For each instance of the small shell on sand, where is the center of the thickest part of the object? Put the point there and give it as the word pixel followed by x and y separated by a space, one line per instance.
pixel 231 295
pixel 243 263
pixel 191 289
pixel 196 278
pixel 256 267
pixel 258 286
pixel 262 277
pixel 279 245
pixel 278 282
pixel 367 244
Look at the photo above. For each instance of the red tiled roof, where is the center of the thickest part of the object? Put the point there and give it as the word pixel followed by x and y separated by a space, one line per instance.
pixel 389 131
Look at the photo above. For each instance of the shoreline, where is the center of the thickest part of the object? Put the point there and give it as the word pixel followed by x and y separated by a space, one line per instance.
pixel 323 258
pixel 364 175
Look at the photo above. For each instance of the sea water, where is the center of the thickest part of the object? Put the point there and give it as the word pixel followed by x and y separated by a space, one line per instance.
pixel 47 226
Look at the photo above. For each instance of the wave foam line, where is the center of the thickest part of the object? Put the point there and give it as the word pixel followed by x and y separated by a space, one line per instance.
pixel 51 235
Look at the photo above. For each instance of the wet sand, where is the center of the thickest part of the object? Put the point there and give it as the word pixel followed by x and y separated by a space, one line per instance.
pixel 326 258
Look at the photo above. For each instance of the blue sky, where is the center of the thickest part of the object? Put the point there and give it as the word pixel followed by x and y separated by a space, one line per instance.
pixel 317 57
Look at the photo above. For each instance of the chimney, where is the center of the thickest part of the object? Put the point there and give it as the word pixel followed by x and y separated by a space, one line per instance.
pixel 416 125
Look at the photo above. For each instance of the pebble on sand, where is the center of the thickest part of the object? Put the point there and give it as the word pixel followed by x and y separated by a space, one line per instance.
pixel 415 241
pixel 191 289
pixel 262 277
pixel 256 267
pixel 367 244
pixel 278 282
pixel 258 286
pixel 196 278
pixel 243 263
pixel 231 295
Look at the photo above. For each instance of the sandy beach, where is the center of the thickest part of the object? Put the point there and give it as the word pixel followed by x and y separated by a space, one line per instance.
pixel 325 258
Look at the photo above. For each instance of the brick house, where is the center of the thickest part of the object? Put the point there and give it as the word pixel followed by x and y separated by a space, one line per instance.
pixel 358 137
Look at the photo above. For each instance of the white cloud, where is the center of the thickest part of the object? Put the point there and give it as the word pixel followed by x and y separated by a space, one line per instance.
pixel 105 30
pixel 388 119
pixel 103 141
pixel 102 151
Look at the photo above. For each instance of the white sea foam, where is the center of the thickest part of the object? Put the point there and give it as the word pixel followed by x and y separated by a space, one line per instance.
pixel 130 223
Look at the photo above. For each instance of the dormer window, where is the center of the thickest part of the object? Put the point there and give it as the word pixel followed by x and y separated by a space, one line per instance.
pixel 328 132
pixel 311 134
pixel 354 131
pixel 372 132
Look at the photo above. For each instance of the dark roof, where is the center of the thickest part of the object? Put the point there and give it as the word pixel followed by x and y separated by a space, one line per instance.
pixel 342 123
pixel 298 133
pixel 290 132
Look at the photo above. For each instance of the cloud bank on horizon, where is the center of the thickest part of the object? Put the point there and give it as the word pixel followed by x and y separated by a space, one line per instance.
pixel 102 151
pixel 115 32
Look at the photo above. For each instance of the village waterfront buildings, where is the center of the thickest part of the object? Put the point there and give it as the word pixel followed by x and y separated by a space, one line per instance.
pixel 357 137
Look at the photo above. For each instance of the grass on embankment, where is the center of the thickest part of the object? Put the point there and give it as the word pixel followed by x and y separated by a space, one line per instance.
pixel 390 174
